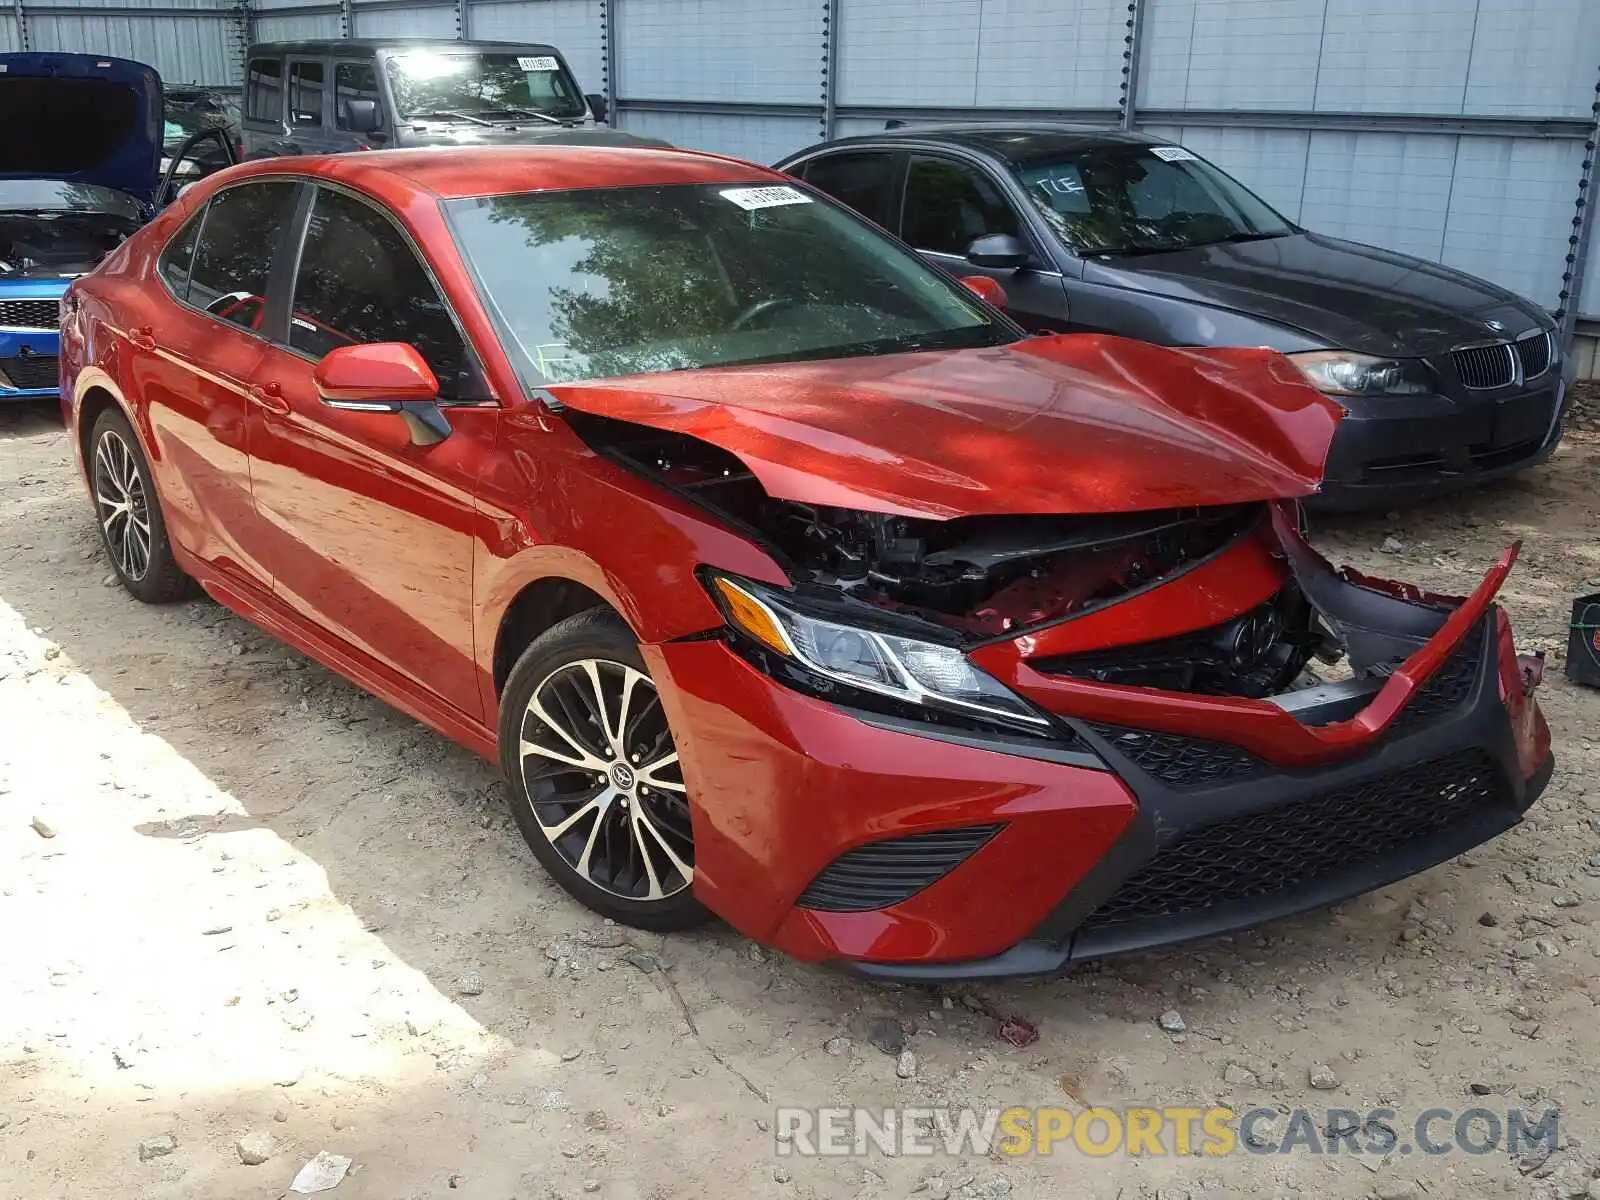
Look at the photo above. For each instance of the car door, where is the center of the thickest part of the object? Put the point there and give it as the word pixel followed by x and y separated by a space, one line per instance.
pixel 374 534
pixel 264 103
pixel 950 203
pixel 866 180
pixel 193 360
pixel 356 79
pixel 308 115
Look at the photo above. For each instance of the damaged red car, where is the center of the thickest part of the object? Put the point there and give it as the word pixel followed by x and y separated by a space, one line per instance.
pixel 788 580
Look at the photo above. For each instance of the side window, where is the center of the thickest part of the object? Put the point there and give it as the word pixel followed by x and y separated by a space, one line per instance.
pixel 862 181
pixel 234 256
pixel 352 81
pixel 305 95
pixel 178 258
pixel 360 281
pixel 949 205
pixel 264 90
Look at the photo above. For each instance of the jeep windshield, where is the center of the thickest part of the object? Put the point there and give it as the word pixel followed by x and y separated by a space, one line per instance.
pixel 473 87
pixel 1143 200
pixel 620 281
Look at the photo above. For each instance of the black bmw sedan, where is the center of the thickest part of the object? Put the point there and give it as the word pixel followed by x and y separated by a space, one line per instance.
pixel 1447 378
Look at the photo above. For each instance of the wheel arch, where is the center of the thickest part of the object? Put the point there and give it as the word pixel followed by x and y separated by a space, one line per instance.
pixel 536 606
pixel 93 393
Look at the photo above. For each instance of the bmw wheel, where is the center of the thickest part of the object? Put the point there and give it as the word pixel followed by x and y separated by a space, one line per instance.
pixel 596 787
pixel 129 514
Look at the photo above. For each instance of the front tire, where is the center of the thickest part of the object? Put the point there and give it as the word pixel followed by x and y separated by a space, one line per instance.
pixel 128 511
pixel 593 773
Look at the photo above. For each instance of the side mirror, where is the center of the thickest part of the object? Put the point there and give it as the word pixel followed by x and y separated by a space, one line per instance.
pixel 997 251
pixel 362 116
pixel 384 377
pixel 985 289
pixel 598 106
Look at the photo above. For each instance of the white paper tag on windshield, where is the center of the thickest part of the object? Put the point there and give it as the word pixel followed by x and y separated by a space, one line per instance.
pixel 750 199
pixel 538 62
pixel 1172 154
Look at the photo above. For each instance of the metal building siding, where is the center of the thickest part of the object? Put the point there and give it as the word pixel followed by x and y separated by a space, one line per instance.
pixel 1209 54
pixel 287 26
pixel 571 25
pixel 1048 53
pixel 199 49
pixel 1510 212
pixel 911 51
pixel 405 22
pixel 1390 189
pixel 758 138
pixel 1382 56
pixel 760 51
pixel 9 40
pixel 1534 59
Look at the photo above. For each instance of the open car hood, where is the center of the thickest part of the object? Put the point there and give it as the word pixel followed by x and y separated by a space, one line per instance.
pixel 1067 424
pixel 82 119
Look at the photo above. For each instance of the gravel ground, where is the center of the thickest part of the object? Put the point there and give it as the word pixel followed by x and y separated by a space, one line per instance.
pixel 249 914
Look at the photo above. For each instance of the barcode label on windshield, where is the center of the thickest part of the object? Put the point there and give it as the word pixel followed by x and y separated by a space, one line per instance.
pixel 539 62
pixel 764 197
pixel 1172 154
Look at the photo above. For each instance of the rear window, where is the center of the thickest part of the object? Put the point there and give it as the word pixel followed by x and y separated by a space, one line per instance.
pixel 264 90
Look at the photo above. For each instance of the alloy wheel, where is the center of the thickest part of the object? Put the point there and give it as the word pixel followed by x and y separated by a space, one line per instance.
pixel 603 779
pixel 122 505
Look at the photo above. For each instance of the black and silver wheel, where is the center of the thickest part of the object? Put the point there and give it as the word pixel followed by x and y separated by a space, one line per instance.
pixel 129 515
pixel 596 786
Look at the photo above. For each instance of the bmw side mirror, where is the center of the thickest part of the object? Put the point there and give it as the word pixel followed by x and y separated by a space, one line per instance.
pixel 598 106
pixel 997 251
pixel 362 116
pixel 384 377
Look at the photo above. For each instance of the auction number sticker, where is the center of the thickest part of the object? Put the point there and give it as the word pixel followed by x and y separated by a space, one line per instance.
pixel 753 198
pixel 1172 154
pixel 538 62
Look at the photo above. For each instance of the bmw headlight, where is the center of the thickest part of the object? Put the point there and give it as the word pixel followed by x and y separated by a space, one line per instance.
pixel 907 669
pixel 1339 373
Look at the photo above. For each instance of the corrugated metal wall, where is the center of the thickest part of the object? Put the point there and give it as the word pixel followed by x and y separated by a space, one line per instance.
pixel 1457 130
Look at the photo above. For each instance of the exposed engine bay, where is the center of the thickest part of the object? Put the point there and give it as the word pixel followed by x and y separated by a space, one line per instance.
pixel 57 244
pixel 993 577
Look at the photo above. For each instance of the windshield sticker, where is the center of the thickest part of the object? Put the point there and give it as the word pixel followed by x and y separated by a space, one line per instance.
pixel 751 199
pixel 538 62
pixel 1060 187
pixel 1173 154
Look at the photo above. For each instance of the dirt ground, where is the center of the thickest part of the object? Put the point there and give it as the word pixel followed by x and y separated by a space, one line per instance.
pixel 247 910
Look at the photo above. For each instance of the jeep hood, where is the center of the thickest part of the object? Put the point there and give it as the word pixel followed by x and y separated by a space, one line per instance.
pixel 1064 424
pixel 81 119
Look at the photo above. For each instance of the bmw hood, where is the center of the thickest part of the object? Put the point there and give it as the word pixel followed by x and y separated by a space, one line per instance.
pixel 1073 424
pixel 81 119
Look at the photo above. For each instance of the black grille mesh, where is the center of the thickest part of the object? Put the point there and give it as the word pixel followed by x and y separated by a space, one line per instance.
pixel 1534 355
pixel 1182 763
pixel 1446 689
pixel 1262 853
pixel 1485 366
pixel 34 371
pixel 30 314
pixel 883 873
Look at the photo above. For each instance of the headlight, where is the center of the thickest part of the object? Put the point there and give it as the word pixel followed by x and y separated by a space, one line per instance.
pixel 906 668
pixel 1342 374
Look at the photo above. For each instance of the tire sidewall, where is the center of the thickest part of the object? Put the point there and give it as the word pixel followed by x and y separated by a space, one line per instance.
pixel 163 579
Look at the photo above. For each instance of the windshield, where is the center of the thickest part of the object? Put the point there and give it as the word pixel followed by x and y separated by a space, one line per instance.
pixel 185 116
pixel 494 86
pixel 1133 199
pixel 622 281
pixel 51 195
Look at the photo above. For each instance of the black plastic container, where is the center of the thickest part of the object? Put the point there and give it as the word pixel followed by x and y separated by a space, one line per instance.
pixel 1583 647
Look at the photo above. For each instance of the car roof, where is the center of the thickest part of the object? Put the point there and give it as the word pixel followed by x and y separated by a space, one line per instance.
pixel 452 173
pixel 1010 140
pixel 362 47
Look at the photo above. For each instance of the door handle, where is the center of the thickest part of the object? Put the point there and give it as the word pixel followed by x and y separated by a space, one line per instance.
pixel 269 396
pixel 143 338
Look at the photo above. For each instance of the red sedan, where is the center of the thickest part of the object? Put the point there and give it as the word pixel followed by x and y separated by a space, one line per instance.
pixel 787 580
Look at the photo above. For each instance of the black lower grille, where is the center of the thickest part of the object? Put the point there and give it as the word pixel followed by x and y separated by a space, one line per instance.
pixel 32 371
pixel 1483 367
pixel 1182 763
pixel 1446 689
pixel 30 314
pixel 1263 853
pixel 883 873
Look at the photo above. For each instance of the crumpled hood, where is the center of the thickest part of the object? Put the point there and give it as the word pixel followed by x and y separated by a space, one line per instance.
pixel 81 118
pixel 1067 424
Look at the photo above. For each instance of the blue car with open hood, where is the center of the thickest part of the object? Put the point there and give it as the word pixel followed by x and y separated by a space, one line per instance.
pixel 80 157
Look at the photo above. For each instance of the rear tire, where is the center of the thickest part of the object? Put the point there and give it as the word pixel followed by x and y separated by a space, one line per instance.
pixel 128 511
pixel 593 774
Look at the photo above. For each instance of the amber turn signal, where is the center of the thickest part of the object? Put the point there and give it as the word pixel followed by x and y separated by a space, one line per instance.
pixel 751 616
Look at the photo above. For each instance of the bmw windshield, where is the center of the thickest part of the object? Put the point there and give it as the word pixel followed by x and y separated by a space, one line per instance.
pixel 623 281
pixel 473 88
pixel 1143 200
